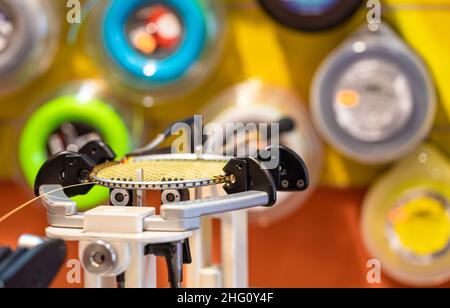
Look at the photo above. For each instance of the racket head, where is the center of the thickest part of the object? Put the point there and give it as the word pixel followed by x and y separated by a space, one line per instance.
pixel 161 172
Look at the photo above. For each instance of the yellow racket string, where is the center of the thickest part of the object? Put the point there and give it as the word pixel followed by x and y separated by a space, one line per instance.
pixel 162 171
pixel 21 207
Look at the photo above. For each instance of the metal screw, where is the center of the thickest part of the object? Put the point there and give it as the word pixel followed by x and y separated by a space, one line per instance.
pixel 300 183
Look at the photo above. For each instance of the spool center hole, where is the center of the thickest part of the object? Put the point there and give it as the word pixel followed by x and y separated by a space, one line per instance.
pixel 98 259
pixel 6 28
pixel 155 30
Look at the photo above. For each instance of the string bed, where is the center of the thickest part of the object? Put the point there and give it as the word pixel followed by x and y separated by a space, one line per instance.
pixel 161 174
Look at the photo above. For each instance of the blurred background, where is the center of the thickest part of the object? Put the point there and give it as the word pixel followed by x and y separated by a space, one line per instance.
pixel 365 84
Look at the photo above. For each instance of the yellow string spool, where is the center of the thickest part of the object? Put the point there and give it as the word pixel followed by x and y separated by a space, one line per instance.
pixel 406 219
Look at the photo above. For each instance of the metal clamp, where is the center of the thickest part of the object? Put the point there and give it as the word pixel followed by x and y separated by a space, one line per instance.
pixel 180 216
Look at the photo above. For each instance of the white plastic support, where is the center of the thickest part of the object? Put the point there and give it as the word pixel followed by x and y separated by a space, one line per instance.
pixel 127 231
pixel 116 219
pixel 211 277
pixel 98 282
pixel 139 269
pixel 232 272
pixel 234 239
pixel 139 273
pixel 201 249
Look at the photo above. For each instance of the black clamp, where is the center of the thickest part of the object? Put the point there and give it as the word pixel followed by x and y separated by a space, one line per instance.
pixel 72 168
pixel 289 173
pixel 249 174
